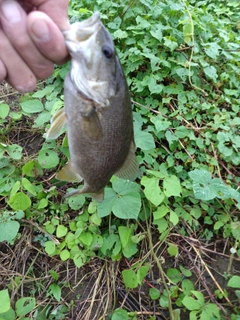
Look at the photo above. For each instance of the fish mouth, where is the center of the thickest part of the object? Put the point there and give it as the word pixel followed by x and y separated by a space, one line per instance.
pixel 81 31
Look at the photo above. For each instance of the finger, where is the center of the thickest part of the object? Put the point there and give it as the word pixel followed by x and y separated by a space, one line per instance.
pixel 3 71
pixel 14 24
pixel 18 75
pixel 47 37
pixel 56 10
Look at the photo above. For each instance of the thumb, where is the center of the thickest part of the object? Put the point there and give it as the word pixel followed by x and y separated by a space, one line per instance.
pixel 47 37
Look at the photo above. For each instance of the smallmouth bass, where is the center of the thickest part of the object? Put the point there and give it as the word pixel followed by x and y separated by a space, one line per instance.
pixel 97 112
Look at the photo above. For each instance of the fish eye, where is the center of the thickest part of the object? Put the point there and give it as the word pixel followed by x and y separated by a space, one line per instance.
pixel 107 51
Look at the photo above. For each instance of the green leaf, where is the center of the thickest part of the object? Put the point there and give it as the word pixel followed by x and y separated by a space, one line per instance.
pixel 64 255
pixel 105 207
pixel 4 110
pixel 29 186
pixel 61 231
pixel 127 206
pixel 152 190
pixel 163 301
pixel 50 247
pixel 76 202
pixel 194 304
pixel 129 278
pixel 48 159
pixel 173 218
pixel 129 248
pixel 19 201
pixel 15 151
pixel 5 301
pixel 120 314
pixel 141 274
pixel 15 188
pixel 144 140
pixel 32 106
pixel 24 306
pixel 8 230
pixel 154 293
pixel 211 73
pixel 172 250
pixel 55 290
pixel 234 282
pixel 86 238
pixel 171 186
pixel 174 275
pixel 32 169
pixel 9 315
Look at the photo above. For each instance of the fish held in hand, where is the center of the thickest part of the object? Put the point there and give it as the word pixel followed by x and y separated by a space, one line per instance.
pixel 97 112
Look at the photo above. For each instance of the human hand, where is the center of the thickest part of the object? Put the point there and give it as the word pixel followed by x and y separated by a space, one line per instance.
pixel 31 40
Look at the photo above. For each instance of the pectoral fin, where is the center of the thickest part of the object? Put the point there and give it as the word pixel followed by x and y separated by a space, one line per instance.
pixel 68 173
pixel 58 121
pixel 91 125
pixel 130 169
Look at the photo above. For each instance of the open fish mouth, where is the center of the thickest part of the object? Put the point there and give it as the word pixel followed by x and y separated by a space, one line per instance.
pixel 81 31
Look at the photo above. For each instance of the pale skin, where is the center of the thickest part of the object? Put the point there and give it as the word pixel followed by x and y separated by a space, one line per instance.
pixel 31 41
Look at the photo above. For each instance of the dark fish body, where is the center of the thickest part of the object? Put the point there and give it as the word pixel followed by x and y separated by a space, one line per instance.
pixel 97 111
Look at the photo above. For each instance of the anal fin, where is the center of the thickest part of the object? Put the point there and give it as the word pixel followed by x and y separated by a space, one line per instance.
pixel 130 169
pixel 68 173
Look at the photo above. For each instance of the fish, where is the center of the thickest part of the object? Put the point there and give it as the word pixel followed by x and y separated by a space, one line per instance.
pixel 97 112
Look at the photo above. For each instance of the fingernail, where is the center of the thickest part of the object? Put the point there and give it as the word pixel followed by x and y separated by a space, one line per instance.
pixel 11 11
pixel 40 30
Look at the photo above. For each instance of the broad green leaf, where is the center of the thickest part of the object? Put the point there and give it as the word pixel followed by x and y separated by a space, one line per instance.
pixel 24 306
pixel 173 218
pixel 122 186
pixel 152 190
pixel 8 230
pixel 187 286
pixel 120 314
pixel 9 315
pixel 48 159
pixel 105 207
pixel 64 255
pixel 154 293
pixel 76 202
pixel 79 259
pixel 144 140
pixel 174 275
pixel 50 247
pixel 211 73
pixel 32 169
pixel 32 106
pixel 210 311
pixel 130 278
pixel 15 151
pixel 141 274
pixel 160 212
pixel 20 201
pixel 172 250
pixel 127 206
pixel 163 301
pixel 86 238
pixel 129 248
pixel 234 282
pixel 29 186
pixel 171 186
pixel 55 290
pixel 4 110
pixel 5 301
pixel 61 231
pixel 15 188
